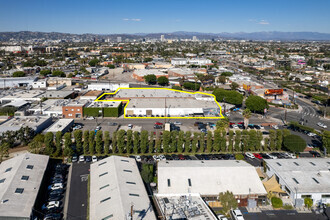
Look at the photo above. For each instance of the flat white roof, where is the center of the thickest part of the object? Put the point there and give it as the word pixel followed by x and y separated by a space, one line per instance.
pixel 306 175
pixel 116 185
pixel 151 93
pixel 12 202
pixel 208 178
pixel 107 104
pixel 16 122
pixel 145 72
pixel 59 125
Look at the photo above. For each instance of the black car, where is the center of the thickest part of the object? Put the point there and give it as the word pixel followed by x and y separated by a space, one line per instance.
pixel 168 157
pixel 158 127
pixel 315 153
pixel 112 124
pixel 88 158
pixel 56 197
pixel 56 192
pixel 199 157
pixel 186 157
pixel 265 156
pixel 53 216
pixel 205 157
pixel 175 157
pixel 57 181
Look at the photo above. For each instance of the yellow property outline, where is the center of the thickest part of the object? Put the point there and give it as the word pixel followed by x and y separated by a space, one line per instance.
pixel 165 117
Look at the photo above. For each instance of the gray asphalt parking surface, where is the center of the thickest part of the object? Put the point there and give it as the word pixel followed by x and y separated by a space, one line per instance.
pixel 283 215
pixel 78 191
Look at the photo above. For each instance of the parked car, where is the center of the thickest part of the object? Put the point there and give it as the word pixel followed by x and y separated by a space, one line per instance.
pixel 271 156
pixel 74 159
pixel 289 155
pixel 51 204
pixel 158 126
pixel 77 127
pixel 177 123
pixel 265 156
pixel 181 157
pixel 55 186
pixel 98 128
pixel 56 192
pixel 82 158
pixel 197 123
pixel 237 214
pixel 249 155
pixel 112 124
pixel 130 126
pixel 257 156
pixel 315 153
pixel 275 127
pixel 53 216
pixel 88 159
pixel 56 197
pixel 235 126
pixel 322 125
pixel 94 158
pixel 158 123
pixel 90 118
pixel 311 134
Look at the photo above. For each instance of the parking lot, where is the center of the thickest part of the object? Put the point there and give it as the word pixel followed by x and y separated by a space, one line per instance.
pixel 77 207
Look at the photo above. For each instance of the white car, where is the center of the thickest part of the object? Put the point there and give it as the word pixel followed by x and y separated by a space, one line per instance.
pixel 55 186
pixel 222 217
pixel 237 214
pixel 98 128
pixel 51 204
pixel 290 155
pixel 90 118
pixel 261 127
pixel 322 125
pixel 177 123
pixel 82 158
pixel 275 127
pixel 235 126
pixel 156 158
pixel 94 158
pixel 249 155
pixel 162 157
pixel 130 126
pixel 311 134
pixel 138 158
pixel 271 156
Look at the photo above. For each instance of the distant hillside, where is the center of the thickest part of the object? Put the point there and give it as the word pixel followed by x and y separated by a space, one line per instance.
pixel 272 35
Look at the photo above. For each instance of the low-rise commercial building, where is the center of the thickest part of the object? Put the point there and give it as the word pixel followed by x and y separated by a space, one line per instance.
pixel 62 125
pixel 140 74
pixel 107 86
pixel 302 178
pixel 37 123
pixel 15 82
pixel 20 181
pixel 74 108
pixel 117 191
pixel 209 178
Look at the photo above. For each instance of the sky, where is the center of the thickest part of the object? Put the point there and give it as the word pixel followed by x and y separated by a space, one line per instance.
pixel 147 16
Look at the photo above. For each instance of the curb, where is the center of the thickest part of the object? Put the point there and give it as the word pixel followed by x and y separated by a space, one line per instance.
pixel 67 193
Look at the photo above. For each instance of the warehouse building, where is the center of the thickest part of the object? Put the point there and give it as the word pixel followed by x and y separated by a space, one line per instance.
pixel 74 108
pixel 140 74
pixel 117 191
pixel 20 181
pixel 14 82
pixel 107 86
pixel 209 178
pixel 103 109
pixel 62 125
pixel 37 123
pixel 302 178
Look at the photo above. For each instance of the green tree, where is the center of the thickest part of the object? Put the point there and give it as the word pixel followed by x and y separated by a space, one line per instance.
pixel 201 142
pixel 58 144
pixel 245 140
pixel 231 141
pixel 231 96
pixel 111 66
pixel 173 144
pixel 166 141
pixel 180 141
pixel 222 79
pixel 91 142
pixel 285 133
pixel 68 151
pixel 151 142
pixel 86 139
pixel 144 141
pixel 223 140
pixel 129 141
pixel 294 143
pixel 226 74
pixel 272 140
pixel 49 142
pixel 247 116
pixel 99 142
pixel 276 202
pixel 78 139
pixel 209 142
pixel 114 144
pixel 191 86
pixel 162 80
pixel 158 145
pixel 150 79
pixel 223 123
pixel 93 62
pixel 37 144
pixel 58 73
pixel 326 140
pixel 259 139
pixel 18 74
pixel 256 103
pixel 187 142
pixel 147 173
pixel 176 87
pixel 279 139
pixel 266 144
pixel 228 202
pixel 234 86
pixel 106 142
pixel 45 72
pixel 4 150
pixel 121 141
pixel 194 143
pixel 216 142
pixel 237 141
pixel 252 140
pixel 311 62
pixel 136 142
pixel 308 202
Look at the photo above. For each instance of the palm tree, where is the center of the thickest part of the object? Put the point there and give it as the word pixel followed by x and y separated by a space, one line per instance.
pixel 246 115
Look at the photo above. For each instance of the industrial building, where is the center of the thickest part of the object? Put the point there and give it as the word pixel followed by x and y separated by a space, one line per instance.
pixel 15 82
pixel 209 178
pixel 302 178
pixel 20 94
pixel 141 73
pixel 155 102
pixel 37 123
pixel 107 86
pixel 103 109
pixel 117 191
pixel 50 107
pixel 62 125
pixel 20 181
pixel 74 108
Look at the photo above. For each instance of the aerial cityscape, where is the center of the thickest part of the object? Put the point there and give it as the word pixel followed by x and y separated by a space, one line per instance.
pixel 145 110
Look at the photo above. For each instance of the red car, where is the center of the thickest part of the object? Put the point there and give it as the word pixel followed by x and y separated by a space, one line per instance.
pixel 240 123
pixel 231 123
pixel 257 156
pixel 158 123
pixel 181 157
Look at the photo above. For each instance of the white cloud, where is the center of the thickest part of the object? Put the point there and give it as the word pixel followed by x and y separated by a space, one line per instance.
pixel 131 19
pixel 263 22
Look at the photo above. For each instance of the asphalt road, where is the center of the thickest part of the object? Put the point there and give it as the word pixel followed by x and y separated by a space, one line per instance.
pixel 282 215
pixel 77 208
